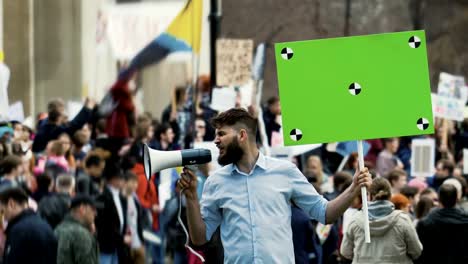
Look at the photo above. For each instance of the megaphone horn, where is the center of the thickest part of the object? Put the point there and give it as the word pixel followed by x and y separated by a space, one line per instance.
pixel 156 160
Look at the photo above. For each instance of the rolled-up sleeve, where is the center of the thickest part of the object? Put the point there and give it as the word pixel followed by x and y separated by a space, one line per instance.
pixel 210 211
pixel 306 197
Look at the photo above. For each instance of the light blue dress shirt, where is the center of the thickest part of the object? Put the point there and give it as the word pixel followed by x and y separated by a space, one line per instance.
pixel 254 210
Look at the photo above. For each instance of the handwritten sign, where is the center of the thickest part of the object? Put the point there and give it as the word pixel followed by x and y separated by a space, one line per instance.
pixel 233 61
pixel 452 86
pixel 449 108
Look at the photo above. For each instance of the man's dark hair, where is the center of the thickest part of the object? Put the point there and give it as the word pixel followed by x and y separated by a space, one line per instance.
pixel 161 130
pixel 341 180
pixel 112 170
pixel 16 194
pixel 237 117
pixel 55 104
pixel 93 160
pixel 9 163
pixel 101 125
pixel 409 191
pixel 447 165
pixel 54 115
pixel 448 195
pixel 130 176
pixel 272 100
pixel 395 174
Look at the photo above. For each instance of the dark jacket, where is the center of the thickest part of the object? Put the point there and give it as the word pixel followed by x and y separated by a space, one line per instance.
pixel 444 234
pixel 75 243
pixel 29 240
pixel 304 238
pixel 54 207
pixel 109 234
pixel 87 185
pixel 48 131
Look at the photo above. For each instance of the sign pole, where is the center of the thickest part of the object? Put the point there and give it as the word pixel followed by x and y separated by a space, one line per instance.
pixel 365 210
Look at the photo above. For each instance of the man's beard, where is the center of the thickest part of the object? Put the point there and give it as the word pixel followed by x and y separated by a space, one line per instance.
pixel 232 153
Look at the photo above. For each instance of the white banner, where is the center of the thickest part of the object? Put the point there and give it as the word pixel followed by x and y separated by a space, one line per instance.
pixel 130 27
pixel 4 79
pixel 16 112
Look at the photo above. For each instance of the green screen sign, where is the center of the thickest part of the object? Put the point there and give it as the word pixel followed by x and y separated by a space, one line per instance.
pixel 354 88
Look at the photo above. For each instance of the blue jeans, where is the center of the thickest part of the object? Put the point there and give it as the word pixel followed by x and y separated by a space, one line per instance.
pixel 108 258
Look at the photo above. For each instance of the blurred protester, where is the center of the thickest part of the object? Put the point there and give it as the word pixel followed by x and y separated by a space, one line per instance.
pixel 430 194
pixel 29 238
pixel 423 207
pixel 398 179
pixel 413 196
pixel 444 170
pixel 89 181
pixel 10 169
pixel 390 229
pixel 177 114
pixel 401 202
pixel 165 138
pixel 271 117
pixel 315 174
pixel 54 127
pixel 55 206
pixel 67 145
pixel 444 230
pixel 110 221
pixel 122 118
pixel 135 218
pixel 387 159
pixel 75 234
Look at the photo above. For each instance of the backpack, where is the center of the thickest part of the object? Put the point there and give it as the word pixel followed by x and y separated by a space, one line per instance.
pixel 107 105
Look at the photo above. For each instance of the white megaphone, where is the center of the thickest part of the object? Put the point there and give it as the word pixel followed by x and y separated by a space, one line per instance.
pixel 156 160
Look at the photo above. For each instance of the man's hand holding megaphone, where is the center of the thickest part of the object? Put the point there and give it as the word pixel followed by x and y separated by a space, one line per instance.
pixel 188 183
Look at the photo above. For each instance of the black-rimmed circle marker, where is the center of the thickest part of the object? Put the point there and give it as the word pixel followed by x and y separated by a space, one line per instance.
pixel 287 53
pixel 295 134
pixel 414 42
pixel 354 88
pixel 422 123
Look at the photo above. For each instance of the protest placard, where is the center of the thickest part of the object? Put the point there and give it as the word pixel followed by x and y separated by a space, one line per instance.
pixel 233 61
pixel 354 88
pixel 422 157
pixel 16 112
pixel 448 107
pixel 465 161
pixel 452 86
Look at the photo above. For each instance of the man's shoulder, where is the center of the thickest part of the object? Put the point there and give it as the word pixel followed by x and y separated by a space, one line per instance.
pixel 73 229
pixel 278 164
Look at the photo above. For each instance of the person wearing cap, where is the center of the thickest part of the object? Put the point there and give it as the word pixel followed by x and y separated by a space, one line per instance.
pixel 444 230
pixel 75 234
pixel 111 221
pixel 29 238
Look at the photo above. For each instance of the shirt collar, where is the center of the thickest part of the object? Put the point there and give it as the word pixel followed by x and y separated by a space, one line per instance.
pixel 261 163
pixel 113 190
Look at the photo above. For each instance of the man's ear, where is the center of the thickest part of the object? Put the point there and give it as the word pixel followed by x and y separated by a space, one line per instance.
pixel 243 135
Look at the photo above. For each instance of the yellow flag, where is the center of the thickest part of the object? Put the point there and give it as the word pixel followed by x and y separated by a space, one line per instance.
pixel 187 25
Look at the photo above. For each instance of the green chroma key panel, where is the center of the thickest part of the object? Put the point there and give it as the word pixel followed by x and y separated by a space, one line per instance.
pixel 354 88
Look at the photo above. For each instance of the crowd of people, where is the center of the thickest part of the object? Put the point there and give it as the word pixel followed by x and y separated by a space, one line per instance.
pixel 75 191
